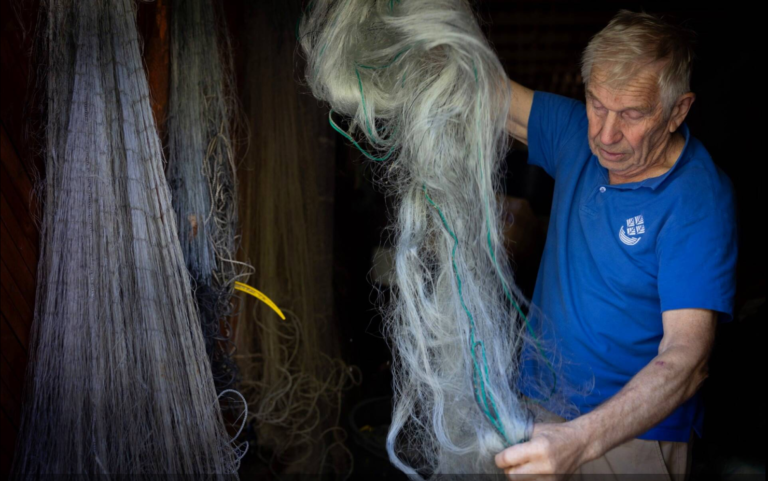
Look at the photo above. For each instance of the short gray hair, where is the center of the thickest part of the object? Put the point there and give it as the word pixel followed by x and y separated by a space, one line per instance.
pixel 631 41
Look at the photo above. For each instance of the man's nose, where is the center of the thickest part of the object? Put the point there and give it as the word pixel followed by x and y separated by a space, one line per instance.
pixel 611 131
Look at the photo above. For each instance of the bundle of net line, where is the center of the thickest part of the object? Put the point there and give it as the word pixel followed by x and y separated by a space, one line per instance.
pixel 201 126
pixel 293 376
pixel 415 86
pixel 119 383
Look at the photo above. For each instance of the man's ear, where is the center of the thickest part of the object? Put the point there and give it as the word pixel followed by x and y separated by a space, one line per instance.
pixel 680 111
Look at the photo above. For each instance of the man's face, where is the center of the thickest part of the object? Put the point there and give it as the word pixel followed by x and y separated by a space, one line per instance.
pixel 627 126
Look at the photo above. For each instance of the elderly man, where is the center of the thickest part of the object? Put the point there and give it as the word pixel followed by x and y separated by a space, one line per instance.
pixel 640 256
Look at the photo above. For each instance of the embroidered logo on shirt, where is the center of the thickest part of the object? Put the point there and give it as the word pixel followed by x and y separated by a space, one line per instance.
pixel 635 227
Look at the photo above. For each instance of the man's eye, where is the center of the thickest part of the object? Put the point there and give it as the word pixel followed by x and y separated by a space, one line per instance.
pixel 633 115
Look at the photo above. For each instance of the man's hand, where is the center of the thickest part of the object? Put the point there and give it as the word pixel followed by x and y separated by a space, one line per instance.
pixel 553 449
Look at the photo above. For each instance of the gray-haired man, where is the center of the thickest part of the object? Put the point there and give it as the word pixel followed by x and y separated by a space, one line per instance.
pixel 640 256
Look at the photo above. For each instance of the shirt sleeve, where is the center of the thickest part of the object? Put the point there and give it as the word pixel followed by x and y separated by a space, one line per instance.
pixel 554 123
pixel 697 254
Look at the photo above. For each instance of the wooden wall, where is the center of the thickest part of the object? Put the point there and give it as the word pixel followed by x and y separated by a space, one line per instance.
pixel 18 231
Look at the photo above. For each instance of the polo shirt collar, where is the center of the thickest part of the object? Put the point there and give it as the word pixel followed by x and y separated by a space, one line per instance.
pixel 653 182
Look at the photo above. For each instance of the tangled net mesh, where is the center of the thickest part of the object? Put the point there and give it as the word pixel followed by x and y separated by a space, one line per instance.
pixel 418 81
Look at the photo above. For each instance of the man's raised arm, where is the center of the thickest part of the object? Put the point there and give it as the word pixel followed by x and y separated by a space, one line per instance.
pixel 519 112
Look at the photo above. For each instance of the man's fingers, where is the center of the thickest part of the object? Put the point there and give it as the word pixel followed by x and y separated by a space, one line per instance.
pixel 516 455
pixel 530 472
pixel 507 458
pixel 530 468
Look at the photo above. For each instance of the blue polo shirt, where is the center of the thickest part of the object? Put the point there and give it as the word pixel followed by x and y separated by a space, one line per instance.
pixel 617 256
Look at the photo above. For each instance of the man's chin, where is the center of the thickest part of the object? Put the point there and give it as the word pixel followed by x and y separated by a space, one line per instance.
pixel 614 166
pixel 607 157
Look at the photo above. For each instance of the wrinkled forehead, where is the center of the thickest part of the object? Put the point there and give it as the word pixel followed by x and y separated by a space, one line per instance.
pixel 626 85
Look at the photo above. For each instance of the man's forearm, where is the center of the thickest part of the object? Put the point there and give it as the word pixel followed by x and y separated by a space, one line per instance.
pixel 666 382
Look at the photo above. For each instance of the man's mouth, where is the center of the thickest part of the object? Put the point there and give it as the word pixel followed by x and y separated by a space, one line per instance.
pixel 610 155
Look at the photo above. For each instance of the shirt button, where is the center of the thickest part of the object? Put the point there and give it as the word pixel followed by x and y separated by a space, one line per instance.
pixel 602 189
